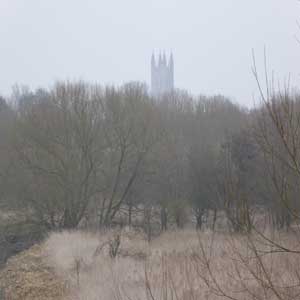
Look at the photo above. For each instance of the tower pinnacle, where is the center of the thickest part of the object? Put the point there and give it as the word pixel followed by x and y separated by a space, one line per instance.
pixel 162 74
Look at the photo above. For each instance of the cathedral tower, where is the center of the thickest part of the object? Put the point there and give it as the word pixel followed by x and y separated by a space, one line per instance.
pixel 162 74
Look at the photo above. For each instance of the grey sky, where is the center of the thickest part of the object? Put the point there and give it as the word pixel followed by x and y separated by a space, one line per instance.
pixel 111 41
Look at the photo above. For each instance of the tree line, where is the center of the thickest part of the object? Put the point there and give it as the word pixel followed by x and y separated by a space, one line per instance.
pixel 79 153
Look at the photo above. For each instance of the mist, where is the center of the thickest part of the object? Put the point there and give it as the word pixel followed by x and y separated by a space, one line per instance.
pixel 149 149
pixel 110 42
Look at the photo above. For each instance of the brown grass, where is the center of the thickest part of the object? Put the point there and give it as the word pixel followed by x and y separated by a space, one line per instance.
pixel 28 276
pixel 180 265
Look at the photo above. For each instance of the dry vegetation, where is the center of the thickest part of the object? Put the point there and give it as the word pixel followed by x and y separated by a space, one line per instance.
pixel 28 276
pixel 178 265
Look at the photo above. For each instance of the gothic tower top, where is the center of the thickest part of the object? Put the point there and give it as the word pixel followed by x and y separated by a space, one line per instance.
pixel 162 74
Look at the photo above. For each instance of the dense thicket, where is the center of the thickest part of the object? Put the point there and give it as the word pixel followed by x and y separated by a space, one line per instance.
pixel 79 154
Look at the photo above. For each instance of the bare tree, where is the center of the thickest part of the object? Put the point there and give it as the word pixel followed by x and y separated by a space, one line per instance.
pixel 60 149
pixel 130 133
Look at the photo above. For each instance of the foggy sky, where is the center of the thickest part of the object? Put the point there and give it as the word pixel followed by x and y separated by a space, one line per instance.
pixel 110 42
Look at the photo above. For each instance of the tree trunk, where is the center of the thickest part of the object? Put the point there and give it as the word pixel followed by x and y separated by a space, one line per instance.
pixel 215 211
pixel 178 220
pixel 130 213
pixel 147 222
pixel 163 219
pixel 198 222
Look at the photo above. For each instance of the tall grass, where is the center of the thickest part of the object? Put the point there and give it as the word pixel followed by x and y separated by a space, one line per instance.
pixel 181 265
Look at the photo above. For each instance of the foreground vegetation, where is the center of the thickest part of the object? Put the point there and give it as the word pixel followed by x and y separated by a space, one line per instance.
pixel 178 265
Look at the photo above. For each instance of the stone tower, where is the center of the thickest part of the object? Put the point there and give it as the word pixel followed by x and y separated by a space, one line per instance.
pixel 162 75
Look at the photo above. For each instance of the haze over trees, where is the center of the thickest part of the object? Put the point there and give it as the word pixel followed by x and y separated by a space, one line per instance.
pixel 84 155
pixel 118 192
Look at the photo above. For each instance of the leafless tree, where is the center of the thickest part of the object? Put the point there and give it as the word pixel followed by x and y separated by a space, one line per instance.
pixel 60 149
